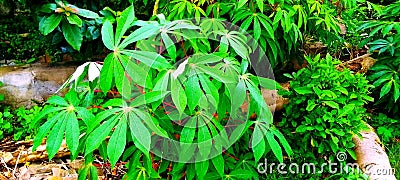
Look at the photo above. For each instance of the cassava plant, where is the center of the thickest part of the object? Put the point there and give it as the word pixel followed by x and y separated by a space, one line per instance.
pixel 177 88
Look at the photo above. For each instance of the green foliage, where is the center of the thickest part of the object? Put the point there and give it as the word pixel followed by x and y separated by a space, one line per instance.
pixel 24 128
pixel 278 26
pixel 384 38
pixel 393 150
pixel 385 76
pixel 19 122
pixel 21 41
pixel 326 105
pixel 69 20
pixel 190 103
pixel 386 127
pixel 6 123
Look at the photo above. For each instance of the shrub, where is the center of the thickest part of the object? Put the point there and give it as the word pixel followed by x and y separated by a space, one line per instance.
pixel 325 109
pixel 155 110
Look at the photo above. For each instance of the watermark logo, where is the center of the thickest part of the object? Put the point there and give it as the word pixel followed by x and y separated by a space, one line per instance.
pixel 330 167
pixel 308 168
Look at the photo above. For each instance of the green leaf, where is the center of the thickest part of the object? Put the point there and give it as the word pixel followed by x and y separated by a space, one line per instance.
pixel 209 87
pixel 55 137
pixel 116 145
pixel 93 172
pixel 303 90
pixel 107 35
pixel 332 104
pixel 260 5
pixel 204 140
pixel 140 134
pixel 151 59
pixel 206 58
pixel 87 14
pixel 178 95
pixel 257 143
pixel 57 100
pixel 48 8
pixel 241 3
pixel 148 98
pixel 346 109
pixel 310 105
pixel 119 76
pixel 276 149
pixel 73 35
pixel 74 19
pixel 188 131
pixel 72 133
pixel 140 34
pixel 242 174
pixel 396 93
pixel 259 99
pixel 106 73
pixel 123 23
pixel 201 168
pixel 257 29
pixel 283 141
pixel 193 91
pixel 169 45
pixel 216 74
pixel 45 128
pixel 268 83
pixel 136 72
pixel 150 122
pixel 385 89
pixel 219 163
pixel 99 134
pixel 47 25
pixel 343 90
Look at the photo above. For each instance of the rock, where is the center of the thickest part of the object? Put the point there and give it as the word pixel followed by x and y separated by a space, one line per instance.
pixel 23 86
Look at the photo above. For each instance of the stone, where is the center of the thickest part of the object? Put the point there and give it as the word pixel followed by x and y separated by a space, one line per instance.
pixel 31 84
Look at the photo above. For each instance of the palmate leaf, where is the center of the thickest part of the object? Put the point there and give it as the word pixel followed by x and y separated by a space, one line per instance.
pixel 65 121
pixel 238 42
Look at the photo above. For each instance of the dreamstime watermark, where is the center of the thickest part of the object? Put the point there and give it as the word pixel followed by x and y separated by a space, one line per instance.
pixel 330 167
